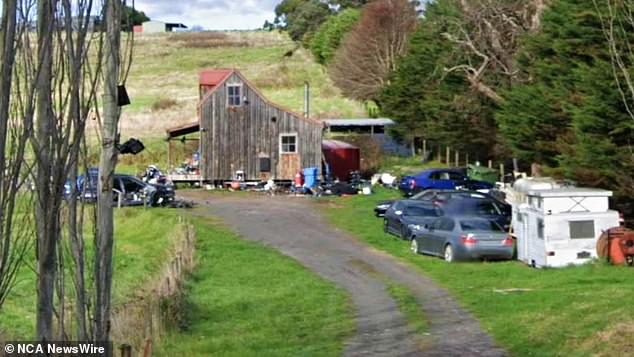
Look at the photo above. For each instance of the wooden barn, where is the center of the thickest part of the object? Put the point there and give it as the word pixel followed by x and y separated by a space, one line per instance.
pixel 242 134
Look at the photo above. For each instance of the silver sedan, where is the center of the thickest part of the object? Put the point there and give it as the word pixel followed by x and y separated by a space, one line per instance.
pixel 463 238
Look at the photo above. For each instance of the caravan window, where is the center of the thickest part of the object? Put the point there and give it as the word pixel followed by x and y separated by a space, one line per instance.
pixel 582 229
pixel 540 228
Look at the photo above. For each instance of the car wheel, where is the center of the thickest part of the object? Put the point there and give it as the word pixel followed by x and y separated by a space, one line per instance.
pixel 413 246
pixel 449 257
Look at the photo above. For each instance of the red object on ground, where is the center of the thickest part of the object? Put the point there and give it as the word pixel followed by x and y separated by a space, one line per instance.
pixel 617 244
pixel 299 179
pixel 341 157
pixel 137 28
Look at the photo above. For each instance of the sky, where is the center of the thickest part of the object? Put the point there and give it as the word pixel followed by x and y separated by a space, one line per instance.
pixel 211 14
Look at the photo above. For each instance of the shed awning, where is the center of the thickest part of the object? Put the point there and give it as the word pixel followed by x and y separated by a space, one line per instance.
pixel 358 122
pixel 182 130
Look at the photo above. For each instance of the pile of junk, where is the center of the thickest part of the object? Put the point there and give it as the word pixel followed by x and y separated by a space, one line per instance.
pixel 306 182
pixel 616 245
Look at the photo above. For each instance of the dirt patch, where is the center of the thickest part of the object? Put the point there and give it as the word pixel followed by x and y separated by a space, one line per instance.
pixel 616 340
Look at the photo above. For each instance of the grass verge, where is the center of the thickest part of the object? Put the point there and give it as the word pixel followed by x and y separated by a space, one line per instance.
pixel 143 238
pixel 576 311
pixel 245 299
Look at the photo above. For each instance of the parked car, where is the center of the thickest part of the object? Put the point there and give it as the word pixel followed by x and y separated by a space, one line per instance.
pixel 479 206
pixel 501 211
pixel 382 207
pixel 448 179
pixel 131 190
pixel 463 238
pixel 403 217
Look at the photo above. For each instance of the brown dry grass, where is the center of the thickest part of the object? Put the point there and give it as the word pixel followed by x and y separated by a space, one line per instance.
pixel 207 40
pixel 164 103
pixel 614 341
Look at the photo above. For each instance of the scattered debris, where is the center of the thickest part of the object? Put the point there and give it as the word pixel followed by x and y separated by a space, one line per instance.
pixel 511 290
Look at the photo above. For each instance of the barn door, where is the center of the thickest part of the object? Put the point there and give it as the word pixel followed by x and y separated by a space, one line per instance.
pixel 288 166
pixel 290 161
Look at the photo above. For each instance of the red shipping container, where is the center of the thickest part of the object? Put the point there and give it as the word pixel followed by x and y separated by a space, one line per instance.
pixel 341 157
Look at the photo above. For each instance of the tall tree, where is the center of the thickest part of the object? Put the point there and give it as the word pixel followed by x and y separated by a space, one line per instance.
pixel 131 17
pixel 488 40
pixel 369 53
pixel 301 18
pixel 330 34
pixel 104 240
pixel 46 210
pixel 13 136
pixel 571 114
pixel 430 104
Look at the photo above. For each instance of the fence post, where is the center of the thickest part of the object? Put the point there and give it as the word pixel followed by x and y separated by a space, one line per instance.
pixel 424 149
pixel 490 164
pixel 457 157
pixel 501 172
pixel 467 159
pixel 448 153
pixel 439 153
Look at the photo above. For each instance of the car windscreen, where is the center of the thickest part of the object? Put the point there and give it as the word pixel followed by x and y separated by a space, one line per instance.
pixel 480 225
pixel 421 211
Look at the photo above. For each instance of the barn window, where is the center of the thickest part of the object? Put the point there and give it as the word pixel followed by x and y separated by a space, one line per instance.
pixel 234 92
pixel 288 143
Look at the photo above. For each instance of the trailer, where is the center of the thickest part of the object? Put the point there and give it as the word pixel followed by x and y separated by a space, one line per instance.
pixel 558 226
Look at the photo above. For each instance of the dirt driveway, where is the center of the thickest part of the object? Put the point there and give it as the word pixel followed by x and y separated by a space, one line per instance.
pixel 295 227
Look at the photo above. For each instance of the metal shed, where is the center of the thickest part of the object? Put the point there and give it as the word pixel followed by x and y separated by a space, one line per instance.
pixel 341 157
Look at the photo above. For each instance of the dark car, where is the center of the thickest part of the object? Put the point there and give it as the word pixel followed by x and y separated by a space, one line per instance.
pixel 382 207
pixel 463 238
pixel 405 216
pixel 448 179
pixel 440 196
pixel 129 189
pixel 478 205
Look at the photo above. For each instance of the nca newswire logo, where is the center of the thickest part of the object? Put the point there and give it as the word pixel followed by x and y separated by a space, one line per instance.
pixel 66 348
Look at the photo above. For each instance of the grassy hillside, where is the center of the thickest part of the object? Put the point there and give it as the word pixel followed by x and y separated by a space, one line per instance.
pixel 163 81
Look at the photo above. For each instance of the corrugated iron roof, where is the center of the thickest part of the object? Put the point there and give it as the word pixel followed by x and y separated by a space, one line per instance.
pixel 359 122
pixel 213 77
pixel 336 144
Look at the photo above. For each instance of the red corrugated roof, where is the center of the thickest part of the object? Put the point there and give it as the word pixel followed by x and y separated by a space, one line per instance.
pixel 213 77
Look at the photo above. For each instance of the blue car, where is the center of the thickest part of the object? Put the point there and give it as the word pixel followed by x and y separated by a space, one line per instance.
pixel 447 179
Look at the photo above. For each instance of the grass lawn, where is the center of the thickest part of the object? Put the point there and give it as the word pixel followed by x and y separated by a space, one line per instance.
pixel 245 299
pixel 576 311
pixel 142 241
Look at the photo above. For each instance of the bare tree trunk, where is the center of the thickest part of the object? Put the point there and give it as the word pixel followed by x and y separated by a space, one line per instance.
pixel 47 218
pixel 12 247
pixel 105 225
pixel 76 57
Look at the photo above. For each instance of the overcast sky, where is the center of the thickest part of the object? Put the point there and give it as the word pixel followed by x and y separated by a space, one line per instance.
pixel 211 14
